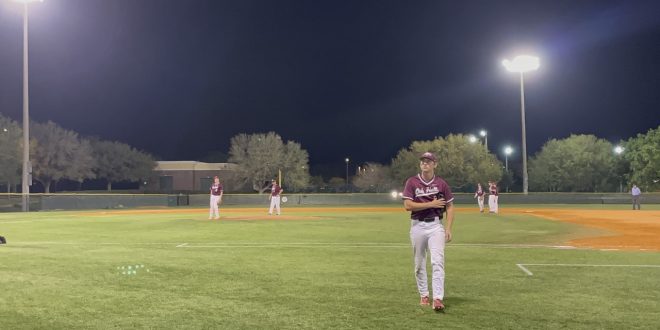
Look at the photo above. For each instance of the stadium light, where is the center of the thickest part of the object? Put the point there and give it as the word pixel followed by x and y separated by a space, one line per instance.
pixel 522 64
pixel 472 138
pixel 25 184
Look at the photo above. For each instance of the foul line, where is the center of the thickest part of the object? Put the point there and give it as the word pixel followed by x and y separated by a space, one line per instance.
pixel 528 272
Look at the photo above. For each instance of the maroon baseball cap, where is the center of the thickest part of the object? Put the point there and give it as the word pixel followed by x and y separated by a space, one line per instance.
pixel 429 156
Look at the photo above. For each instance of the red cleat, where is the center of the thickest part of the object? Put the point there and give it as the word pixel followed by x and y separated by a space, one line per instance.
pixel 424 301
pixel 438 305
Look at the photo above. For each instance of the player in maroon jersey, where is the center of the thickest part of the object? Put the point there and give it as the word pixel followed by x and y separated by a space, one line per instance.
pixel 492 197
pixel 275 194
pixel 428 197
pixel 216 198
pixel 479 195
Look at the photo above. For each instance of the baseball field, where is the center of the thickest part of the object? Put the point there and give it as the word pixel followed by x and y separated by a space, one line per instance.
pixel 530 267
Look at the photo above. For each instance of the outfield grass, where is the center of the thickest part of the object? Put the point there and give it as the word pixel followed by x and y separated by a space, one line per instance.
pixel 62 270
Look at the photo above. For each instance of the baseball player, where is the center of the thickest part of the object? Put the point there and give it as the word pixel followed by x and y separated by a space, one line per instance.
pixel 428 197
pixel 492 197
pixel 216 198
pixel 275 194
pixel 3 240
pixel 479 195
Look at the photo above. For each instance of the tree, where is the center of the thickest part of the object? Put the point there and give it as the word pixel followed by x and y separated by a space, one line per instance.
pixel 116 161
pixel 374 178
pixel 10 151
pixel 577 163
pixel 461 163
pixel 643 154
pixel 261 156
pixel 58 153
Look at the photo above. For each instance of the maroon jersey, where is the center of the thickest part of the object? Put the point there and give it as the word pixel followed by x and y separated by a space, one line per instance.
pixel 421 191
pixel 275 191
pixel 216 189
pixel 480 192
pixel 493 190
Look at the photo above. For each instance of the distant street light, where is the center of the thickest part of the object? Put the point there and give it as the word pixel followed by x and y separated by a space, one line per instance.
pixel 472 138
pixel 347 160
pixel 484 135
pixel 619 150
pixel 507 151
pixel 522 64
pixel 25 185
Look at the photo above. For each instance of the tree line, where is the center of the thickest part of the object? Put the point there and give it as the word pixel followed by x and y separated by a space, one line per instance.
pixel 59 154
pixel 578 163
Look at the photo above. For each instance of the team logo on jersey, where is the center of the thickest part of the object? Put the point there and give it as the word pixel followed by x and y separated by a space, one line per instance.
pixel 426 191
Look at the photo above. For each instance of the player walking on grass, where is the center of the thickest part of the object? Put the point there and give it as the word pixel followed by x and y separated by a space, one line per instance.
pixel 428 197
pixel 479 195
pixel 216 198
pixel 275 194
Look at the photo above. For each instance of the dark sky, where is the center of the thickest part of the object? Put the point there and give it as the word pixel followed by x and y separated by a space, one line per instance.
pixel 179 78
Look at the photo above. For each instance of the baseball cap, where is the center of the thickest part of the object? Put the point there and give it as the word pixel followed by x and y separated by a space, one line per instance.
pixel 429 156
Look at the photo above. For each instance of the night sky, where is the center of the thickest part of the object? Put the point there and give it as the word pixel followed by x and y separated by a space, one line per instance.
pixel 358 79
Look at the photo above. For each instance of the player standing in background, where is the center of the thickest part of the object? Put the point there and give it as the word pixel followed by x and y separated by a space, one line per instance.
pixel 636 194
pixel 492 197
pixel 479 195
pixel 428 197
pixel 274 197
pixel 3 240
pixel 216 198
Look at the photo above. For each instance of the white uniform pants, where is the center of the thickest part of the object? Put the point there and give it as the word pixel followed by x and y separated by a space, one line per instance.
pixel 429 236
pixel 480 201
pixel 274 203
pixel 213 211
pixel 492 203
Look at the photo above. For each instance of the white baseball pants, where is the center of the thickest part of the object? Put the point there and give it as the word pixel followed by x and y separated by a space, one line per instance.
pixel 214 211
pixel 274 203
pixel 492 203
pixel 431 236
pixel 480 201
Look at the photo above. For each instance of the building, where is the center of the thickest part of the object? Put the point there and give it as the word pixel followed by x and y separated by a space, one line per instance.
pixel 188 176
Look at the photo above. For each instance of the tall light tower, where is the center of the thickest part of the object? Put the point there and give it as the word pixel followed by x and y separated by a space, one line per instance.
pixel 522 64
pixel 25 184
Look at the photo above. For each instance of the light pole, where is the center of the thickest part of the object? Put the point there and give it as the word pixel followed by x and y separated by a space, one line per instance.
pixel 522 64
pixel 484 135
pixel 25 185
pixel 346 160
pixel 619 150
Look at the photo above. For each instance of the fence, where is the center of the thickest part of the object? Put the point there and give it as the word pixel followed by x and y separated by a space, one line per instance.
pixel 44 202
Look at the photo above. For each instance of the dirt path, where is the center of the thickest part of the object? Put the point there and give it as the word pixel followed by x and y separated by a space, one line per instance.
pixel 630 230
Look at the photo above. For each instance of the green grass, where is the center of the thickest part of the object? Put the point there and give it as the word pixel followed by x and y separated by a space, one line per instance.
pixel 346 270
